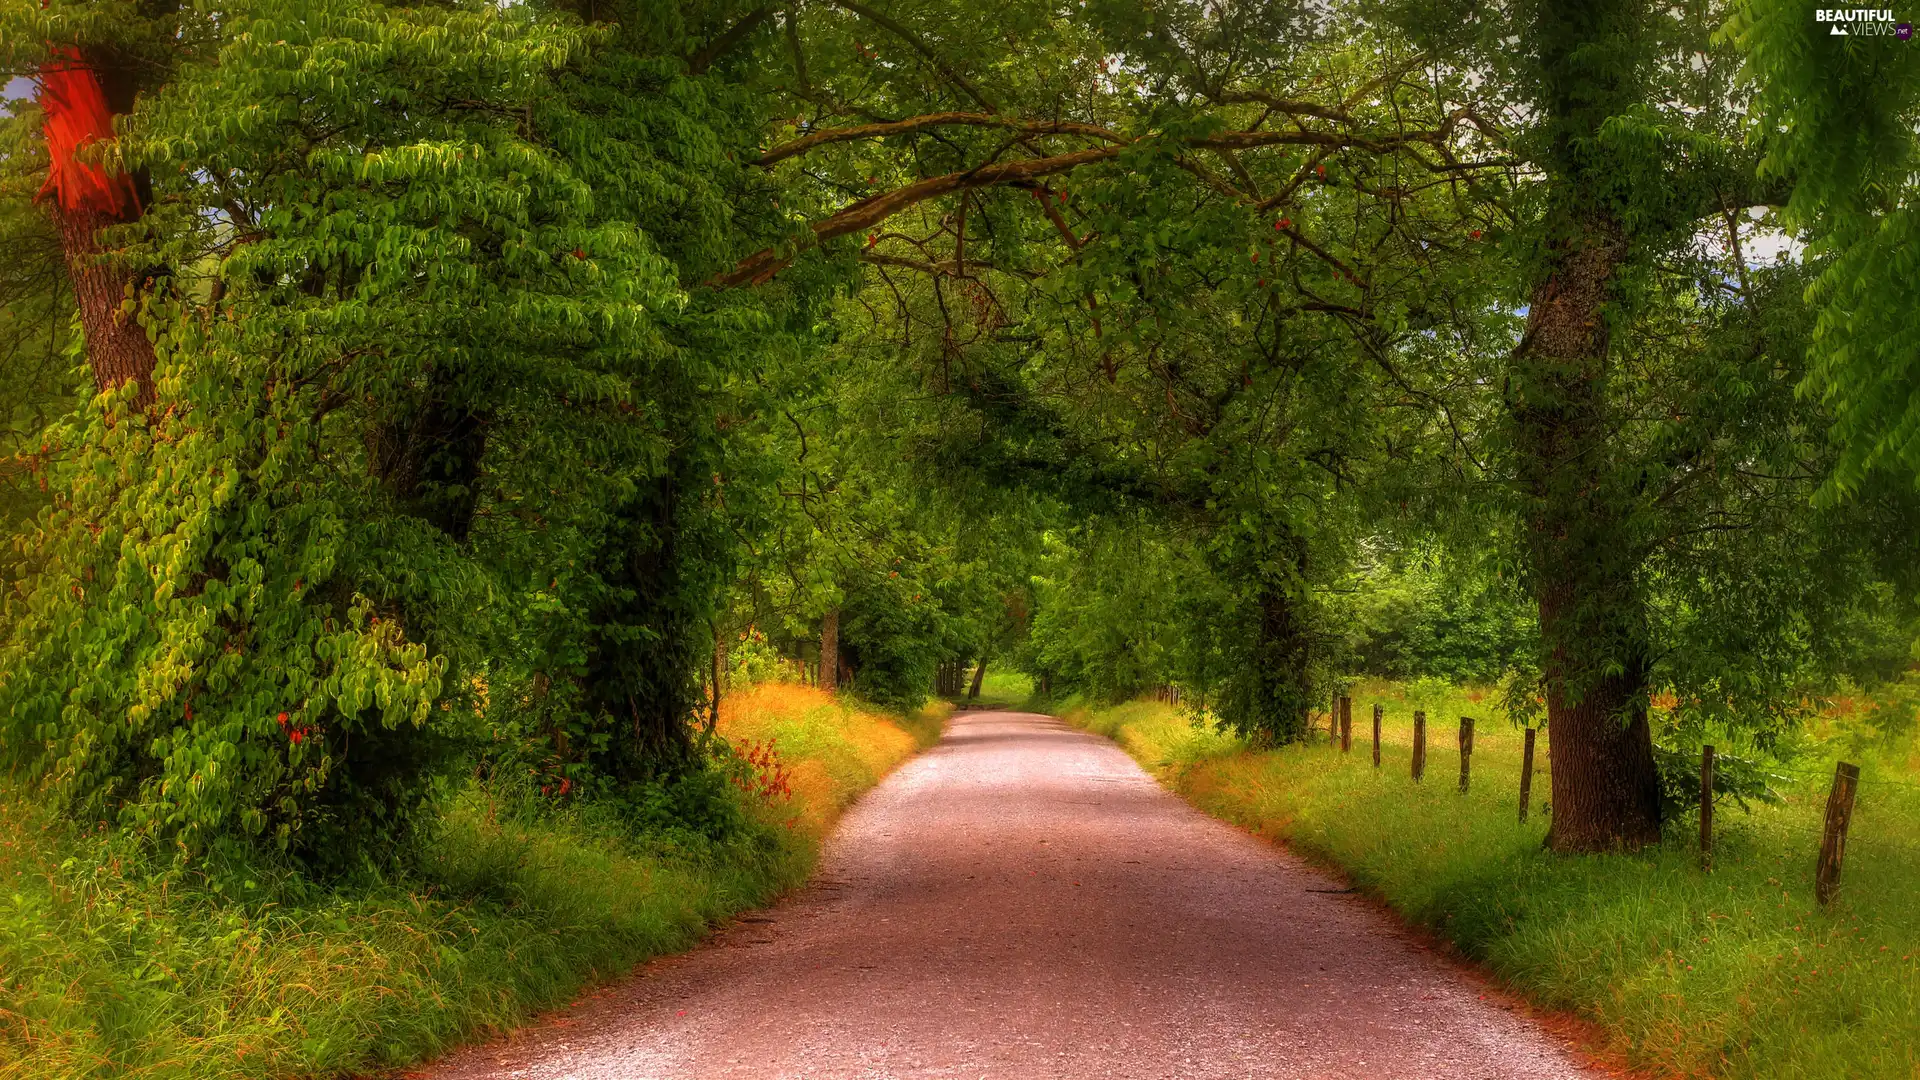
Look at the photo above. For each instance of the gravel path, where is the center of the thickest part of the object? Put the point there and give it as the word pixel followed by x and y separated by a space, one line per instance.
pixel 1023 901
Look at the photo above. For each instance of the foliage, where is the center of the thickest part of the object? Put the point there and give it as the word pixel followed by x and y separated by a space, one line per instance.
pixel 382 360
pixel 753 659
pixel 1835 116
pixel 1744 780
pixel 533 376
pixel 1420 614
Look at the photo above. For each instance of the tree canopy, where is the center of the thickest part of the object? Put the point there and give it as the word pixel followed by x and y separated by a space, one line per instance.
pixel 477 385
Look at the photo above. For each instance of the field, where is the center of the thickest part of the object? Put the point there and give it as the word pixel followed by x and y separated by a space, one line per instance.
pixel 111 966
pixel 1733 973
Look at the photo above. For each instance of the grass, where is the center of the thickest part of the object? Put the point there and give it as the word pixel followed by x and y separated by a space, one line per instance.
pixel 1002 690
pixel 110 967
pixel 1733 973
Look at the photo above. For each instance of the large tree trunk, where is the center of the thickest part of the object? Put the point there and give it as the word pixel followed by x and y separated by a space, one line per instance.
pixel 80 96
pixel 1282 659
pixel 1593 622
pixel 830 650
pixel 1606 791
pixel 646 641
pixel 430 458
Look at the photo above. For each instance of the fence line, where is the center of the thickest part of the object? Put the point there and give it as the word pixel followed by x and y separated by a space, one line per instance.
pixel 1834 832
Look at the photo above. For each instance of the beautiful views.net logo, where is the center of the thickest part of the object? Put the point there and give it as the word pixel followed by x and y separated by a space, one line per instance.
pixel 1863 22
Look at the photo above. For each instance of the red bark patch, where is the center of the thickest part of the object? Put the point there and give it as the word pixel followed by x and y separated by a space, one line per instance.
pixel 77 115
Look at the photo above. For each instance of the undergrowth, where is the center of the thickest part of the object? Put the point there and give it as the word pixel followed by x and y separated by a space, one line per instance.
pixel 114 964
pixel 1733 973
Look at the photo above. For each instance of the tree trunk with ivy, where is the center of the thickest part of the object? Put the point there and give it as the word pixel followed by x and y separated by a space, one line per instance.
pixel 644 643
pixel 430 457
pixel 830 649
pixel 1606 793
pixel 80 94
pixel 1582 545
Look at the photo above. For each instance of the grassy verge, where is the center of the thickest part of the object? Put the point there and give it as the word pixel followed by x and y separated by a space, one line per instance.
pixel 111 968
pixel 1734 973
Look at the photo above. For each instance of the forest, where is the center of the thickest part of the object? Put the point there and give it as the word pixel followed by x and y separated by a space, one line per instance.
pixel 440 431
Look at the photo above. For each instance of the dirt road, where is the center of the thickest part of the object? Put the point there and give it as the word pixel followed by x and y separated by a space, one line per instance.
pixel 1023 901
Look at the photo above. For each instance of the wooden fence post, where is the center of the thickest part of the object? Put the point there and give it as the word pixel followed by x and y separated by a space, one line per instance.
pixel 1466 752
pixel 1833 843
pixel 1346 724
pixel 1526 775
pixel 1419 744
pixel 1706 807
pixel 1376 736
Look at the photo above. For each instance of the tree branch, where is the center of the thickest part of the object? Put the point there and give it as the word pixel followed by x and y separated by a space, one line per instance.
pixel 866 213
pixel 950 268
pixel 700 61
pixel 920 123
pixel 919 46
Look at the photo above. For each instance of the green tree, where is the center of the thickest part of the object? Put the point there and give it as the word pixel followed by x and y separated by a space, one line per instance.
pixel 1835 115
pixel 438 418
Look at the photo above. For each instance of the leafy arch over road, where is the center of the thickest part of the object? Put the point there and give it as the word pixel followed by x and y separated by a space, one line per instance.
pixel 466 444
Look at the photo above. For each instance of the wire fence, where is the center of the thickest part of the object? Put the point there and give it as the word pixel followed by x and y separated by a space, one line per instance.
pixel 1839 835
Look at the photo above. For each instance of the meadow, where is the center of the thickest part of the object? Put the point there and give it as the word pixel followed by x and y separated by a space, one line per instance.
pixel 1736 972
pixel 115 963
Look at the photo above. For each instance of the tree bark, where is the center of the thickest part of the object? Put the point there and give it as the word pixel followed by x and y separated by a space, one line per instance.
pixel 830 650
pixel 118 351
pixel 80 96
pixel 979 677
pixel 1593 621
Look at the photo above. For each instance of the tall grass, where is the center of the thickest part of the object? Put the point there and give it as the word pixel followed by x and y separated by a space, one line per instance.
pixel 1733 973
pixel 111 966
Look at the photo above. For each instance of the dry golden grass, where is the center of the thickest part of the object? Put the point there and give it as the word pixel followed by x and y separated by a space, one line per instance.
pixel 832 747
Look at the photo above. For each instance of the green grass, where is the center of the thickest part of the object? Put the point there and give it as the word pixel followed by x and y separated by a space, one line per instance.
pixel 1006 689
pixel 1736 973
pixel 110 967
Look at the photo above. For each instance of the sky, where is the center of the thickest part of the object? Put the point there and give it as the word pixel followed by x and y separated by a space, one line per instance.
pixel 17 88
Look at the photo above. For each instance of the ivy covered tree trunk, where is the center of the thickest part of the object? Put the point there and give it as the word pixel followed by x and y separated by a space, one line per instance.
pixel 647 635
pixel 1271 649
pixel 430 456
pixel 1606 793
pixel 1281 687
pixel 80 94
pixel 1582 542
pixel 830 649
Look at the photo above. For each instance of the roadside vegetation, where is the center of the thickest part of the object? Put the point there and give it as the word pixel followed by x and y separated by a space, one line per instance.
pixel 1732 973
pixel 114 963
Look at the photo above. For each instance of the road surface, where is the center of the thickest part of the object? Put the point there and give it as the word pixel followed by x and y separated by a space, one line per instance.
pixel 1022 901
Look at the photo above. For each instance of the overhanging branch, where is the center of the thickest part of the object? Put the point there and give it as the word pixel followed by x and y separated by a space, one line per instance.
pixel 931 120
pixel 870 212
